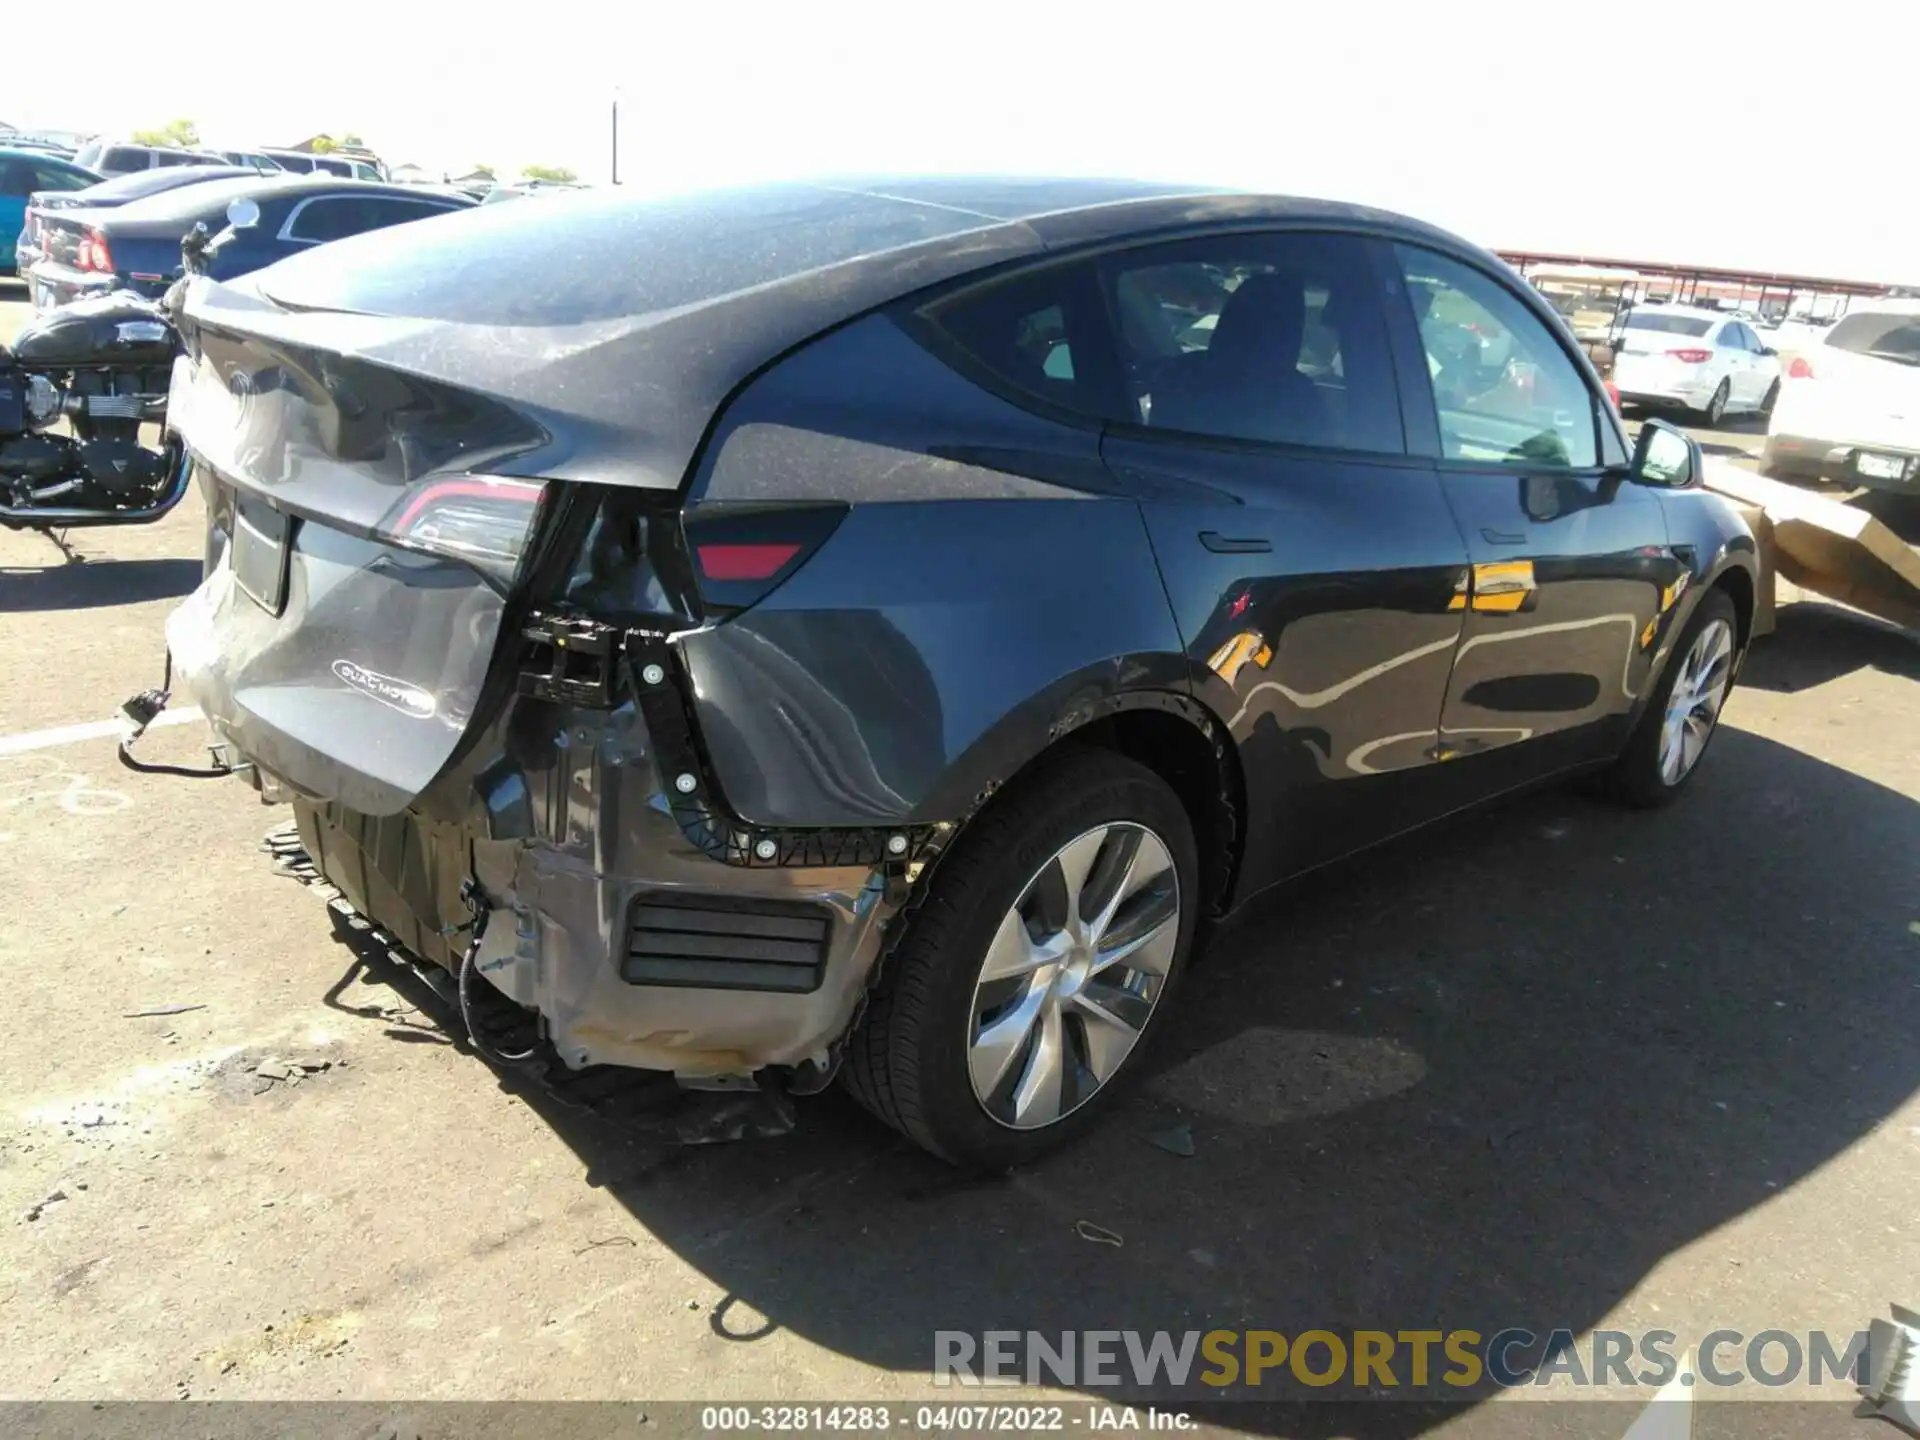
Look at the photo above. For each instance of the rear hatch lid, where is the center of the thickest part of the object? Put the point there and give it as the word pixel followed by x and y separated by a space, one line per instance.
pixel 360 555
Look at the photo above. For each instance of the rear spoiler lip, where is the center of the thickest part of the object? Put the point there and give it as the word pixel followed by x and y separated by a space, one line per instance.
pixel 496 364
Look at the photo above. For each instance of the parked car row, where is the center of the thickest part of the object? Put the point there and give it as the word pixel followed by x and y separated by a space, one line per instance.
pixel 125 233
pixel 125 157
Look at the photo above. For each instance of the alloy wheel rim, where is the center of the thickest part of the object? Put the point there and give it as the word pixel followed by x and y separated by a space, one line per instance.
pixel 1717 406
pixel 1073 975
pixel 1694 706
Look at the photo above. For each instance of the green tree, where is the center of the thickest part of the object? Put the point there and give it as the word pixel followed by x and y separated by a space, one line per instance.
pixel 560 174
pixel 322 144
pixel 178 134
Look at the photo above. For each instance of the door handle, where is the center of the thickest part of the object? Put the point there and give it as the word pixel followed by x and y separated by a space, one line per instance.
pixel 1503 537
pixel 1234 545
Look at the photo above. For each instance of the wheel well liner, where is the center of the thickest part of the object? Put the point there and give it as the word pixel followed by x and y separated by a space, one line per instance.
pixel 1739 587
pixel 1181 742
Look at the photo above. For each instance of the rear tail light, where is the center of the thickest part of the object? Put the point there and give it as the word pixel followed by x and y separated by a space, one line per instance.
pixel 1691 357
pixel 740 553
pixel 1613 396
pixel 1799 368
pixel 94 254
pixel 481 520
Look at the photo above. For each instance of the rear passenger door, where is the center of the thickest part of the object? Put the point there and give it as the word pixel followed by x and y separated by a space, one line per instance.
pixel 1571 566
pixel 1312 563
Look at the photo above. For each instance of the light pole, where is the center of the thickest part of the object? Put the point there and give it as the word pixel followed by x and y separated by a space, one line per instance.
pixel 616 135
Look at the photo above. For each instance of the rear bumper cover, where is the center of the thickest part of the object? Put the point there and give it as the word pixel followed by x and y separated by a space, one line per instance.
pixel 1693 396
pixel 1835 458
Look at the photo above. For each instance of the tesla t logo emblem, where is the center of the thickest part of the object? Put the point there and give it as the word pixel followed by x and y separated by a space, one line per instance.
pixel 407 699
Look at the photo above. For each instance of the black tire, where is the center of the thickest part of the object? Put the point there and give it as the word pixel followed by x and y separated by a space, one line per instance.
pixel 1766 403
pixel 908 1062
pixel 1716 410
pixel 1634 778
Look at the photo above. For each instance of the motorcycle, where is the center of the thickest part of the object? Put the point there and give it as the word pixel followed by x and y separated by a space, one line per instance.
pixel 102 365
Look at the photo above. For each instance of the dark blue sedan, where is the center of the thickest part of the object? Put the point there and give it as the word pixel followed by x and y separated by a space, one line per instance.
pixel 110 194
pixel 137 246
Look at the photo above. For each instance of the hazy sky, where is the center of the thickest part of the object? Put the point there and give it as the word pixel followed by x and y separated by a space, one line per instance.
pixel 1763 135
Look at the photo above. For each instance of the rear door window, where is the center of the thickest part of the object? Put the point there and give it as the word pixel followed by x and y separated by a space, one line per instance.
pixel 1271 337
pixel 327 217
pixel 126 157
pixel 1505 391
pixel 378 213
pixel 334 217
pixel 1884 337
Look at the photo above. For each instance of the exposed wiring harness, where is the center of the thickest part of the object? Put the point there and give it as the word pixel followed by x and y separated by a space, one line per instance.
pixel 142 710
pixel 482 912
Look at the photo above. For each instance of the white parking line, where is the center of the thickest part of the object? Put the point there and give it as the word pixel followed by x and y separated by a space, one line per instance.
pixel 94 730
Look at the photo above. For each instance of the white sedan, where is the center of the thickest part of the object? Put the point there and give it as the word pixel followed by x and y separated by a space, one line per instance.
pixel 1699 359
pixel 1850 409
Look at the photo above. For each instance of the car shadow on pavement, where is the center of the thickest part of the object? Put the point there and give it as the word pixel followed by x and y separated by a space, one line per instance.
pixel 1486 1077
pixel 1814 643
pixel 95 584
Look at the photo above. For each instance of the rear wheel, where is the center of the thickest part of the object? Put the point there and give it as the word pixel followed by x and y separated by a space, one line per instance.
pixel 1716 405
pixel 1684 711
pixel 1036 968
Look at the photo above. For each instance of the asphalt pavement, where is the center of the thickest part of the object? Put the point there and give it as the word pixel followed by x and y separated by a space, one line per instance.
pixel 1559 1066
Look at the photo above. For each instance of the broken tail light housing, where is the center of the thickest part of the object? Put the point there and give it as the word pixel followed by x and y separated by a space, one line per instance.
pixel 480 520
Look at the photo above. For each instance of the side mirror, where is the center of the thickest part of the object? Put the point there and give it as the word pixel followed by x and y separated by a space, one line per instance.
pixel 243 214
pixel 1666 457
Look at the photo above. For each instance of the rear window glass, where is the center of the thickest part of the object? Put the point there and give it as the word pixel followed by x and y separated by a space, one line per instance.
pixel 1667 324
pixel 125 157
pixel 575 258
pixel 1887 337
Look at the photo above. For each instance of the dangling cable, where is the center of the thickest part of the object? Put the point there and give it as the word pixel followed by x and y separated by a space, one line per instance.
pixel 477 903
pixel 142 710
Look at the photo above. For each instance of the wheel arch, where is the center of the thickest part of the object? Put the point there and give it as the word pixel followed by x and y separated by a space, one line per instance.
pixel 1173 735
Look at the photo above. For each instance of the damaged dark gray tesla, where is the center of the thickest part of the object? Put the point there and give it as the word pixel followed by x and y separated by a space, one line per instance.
pixel 863 630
